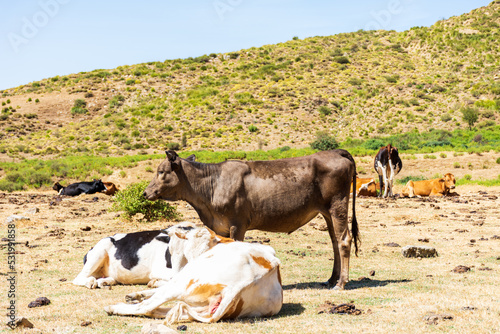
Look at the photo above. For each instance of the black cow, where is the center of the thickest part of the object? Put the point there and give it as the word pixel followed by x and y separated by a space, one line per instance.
pixel 387 164
pixel 78 188
pixel 276 196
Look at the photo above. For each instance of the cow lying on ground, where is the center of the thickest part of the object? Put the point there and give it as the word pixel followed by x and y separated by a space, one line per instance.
pixel 78 188
pixel 111 188
pixel 146 257
pixel 366 187
pixel 282 195
pixel 435 187
pixel 387 164
pixel 231 280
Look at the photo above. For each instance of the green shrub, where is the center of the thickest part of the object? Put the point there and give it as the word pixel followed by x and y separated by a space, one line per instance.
pixel 174 146
pixel 429 156
pixel 79 107
pixel 469 115
pixel 253 128
pixel 442 155
pixel 131 201
pixel 405 180
pixel 373 144
pixel 325 111
pixel 498 161
pixel 456 165
pixel 324 142
pixel 8 186
pixel 341 60
pixel 116 101
pixel 468 177
pixel 446 118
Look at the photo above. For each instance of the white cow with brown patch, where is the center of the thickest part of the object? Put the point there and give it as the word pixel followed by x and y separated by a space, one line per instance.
pixel 230 280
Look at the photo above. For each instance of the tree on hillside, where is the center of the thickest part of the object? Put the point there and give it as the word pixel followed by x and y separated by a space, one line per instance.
pixel 469 115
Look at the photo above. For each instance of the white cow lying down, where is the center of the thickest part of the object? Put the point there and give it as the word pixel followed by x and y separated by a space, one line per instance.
pixel 231 280
pixel 146 257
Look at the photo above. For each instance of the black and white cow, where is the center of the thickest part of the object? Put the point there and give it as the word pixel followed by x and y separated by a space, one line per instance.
pixel 387 164
pixel 78 188
pixel 145 257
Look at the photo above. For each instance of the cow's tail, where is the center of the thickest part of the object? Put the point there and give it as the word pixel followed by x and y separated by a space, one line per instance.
pixel 354 222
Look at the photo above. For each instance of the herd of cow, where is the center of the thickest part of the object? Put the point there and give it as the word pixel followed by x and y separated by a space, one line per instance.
pixel 209 270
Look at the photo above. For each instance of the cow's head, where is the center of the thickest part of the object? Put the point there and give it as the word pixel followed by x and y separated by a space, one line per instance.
pixel 57 186
pixel 449 181
pixel 168 180
pixel 98 186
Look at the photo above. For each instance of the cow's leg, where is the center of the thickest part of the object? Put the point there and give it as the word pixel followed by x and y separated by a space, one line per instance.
pixel 106 281
pixel 161 295
pixel 137 297
pixel 382 178
pixel 391 178
pixel 338 228
pixel 411 189
pixel 96 259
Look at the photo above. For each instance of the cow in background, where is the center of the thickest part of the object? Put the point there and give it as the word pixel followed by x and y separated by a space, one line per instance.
pixel 111 188
pixel 387 164
pixel 78 188
pixel 435 187
pixel 366 187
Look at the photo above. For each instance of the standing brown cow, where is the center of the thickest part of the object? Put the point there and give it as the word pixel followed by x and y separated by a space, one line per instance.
pixel 276 196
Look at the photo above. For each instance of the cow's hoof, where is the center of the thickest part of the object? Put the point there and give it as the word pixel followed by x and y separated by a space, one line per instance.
pixel 337 288
pixel 133 298
pixel 108 310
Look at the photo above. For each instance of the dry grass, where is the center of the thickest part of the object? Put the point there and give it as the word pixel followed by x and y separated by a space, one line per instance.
pixel 395 299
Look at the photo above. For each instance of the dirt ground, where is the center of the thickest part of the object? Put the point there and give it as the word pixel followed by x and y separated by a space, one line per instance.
pixel 394 294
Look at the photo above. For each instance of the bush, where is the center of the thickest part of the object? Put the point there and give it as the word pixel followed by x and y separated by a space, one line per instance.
pixel 324 142
pixel 469 115
pixel 131 201
pixel 325 111
pixel 79 107
pixel 498 161
pixel 174 146
pixel 373 144
pixel 116 101
pixel 405 180
pixel 341 60
pixel 253 128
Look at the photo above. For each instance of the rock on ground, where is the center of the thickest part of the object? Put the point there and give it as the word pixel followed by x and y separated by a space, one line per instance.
pixel 419 251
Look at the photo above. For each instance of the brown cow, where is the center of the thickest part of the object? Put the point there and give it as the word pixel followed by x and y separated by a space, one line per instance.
pixel 232 197
pixel 366 187
pixel 435 187
pixel 111 188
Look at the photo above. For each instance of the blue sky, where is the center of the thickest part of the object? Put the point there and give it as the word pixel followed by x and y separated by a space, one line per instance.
pixel 44 38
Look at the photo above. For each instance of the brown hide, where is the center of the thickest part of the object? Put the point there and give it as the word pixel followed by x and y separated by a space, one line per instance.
pixel 277 196
pixel 435 187
pixel 111 188
pixel 366 187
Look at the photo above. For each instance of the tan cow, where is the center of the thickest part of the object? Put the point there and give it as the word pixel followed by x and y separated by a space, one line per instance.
pixel 111 188
pixel 435 187
pixel 366 187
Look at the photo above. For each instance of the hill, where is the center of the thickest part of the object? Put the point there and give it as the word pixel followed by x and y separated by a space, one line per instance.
pixel 353 85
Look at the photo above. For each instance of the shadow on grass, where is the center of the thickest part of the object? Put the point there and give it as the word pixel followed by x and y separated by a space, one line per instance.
pixel 351 285
pixel 287 310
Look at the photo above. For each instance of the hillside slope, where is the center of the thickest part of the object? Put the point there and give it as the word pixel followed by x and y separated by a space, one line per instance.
pixel 356 85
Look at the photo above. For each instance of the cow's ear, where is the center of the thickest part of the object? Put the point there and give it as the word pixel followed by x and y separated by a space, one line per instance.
pixel 191 158
pixel 171 155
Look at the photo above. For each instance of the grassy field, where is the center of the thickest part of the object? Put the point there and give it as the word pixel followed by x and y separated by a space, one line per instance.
pixel 397 298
